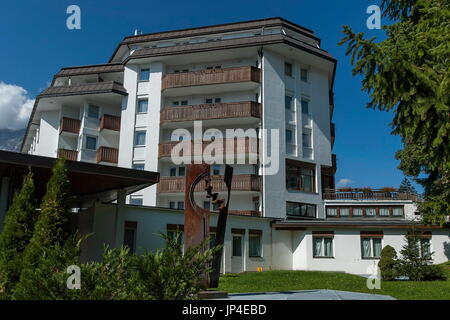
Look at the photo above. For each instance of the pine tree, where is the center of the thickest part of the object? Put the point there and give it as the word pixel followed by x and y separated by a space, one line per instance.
pixel 412 262
pixel 409 73
pixel 16 235
pixel 407 187
pixel 53 225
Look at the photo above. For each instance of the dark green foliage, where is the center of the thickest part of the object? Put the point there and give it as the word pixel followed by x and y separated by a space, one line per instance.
pixel 388 263
pixel 407 187
pixel 53 226
pixel 16 234
pixel 409 73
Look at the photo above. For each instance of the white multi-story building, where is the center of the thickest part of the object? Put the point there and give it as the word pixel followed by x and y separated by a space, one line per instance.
pixel 255 75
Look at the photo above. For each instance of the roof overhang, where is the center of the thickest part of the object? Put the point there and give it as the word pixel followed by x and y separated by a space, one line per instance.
pixel 88 181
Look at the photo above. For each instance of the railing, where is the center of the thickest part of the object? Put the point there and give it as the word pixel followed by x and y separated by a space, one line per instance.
pixel 68 154
pixel 105 154
pixel 110 122
pixel 368 194
pixel 242 182
pixel 70 125
pixel 241 146
pixel 211 111
pixel 251 213
pixel 211 76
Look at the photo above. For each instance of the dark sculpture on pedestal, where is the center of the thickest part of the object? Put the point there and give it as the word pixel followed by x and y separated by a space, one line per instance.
pixel 196 218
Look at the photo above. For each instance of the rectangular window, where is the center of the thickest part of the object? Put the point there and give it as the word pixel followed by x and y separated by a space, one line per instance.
pixel 371 247
pixel 397 212
pixel 384 212
pixel 344 212
pixel 206 204
pixel 288 69
pixel 181 171
pixel 129 239
pixel 91 143
pixel 289 136
pixel 254 245
pixel 331 212
pixel 287 102
pixel 297 209
pixel 371 212
pixel 172 204
pixel 136 201
pixel 357 212
pixel 144 75
pixel 175 103
pixel 304 75
pixel 212 239
pixel 184 102
pixel 208 100
pixel 93 112
pixel 217 100
pixel 180 205
pixel 306 138
pixel 425 248
pixel 140 138
pixel 300 178
pixel 305 106
pixel 216 170
pixel 142 106
pixel 237 246
pixel 138 166
pixel 173 172
pixel 322 247
pixel 173 233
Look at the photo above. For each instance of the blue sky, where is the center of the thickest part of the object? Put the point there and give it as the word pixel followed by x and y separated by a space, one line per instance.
pixel 36 44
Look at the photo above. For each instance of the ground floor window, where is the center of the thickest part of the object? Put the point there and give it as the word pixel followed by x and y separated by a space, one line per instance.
pixel 254 243
pixel 371 247
pixel 322 247
pixel 425 248
pixel 129 237
pixel 300 209
pixel 237 246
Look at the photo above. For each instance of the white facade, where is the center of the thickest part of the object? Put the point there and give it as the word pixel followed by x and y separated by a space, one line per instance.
pixel 259 75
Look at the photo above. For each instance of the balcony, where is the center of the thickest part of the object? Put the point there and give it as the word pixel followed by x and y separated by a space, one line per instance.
pixel 211 111
pixel 237 76
pixel 243 182
pixel 68 154
pixel 250 213
pixel 105 154
pixel 70 125
pixel 109 122
pixel 242 146
pixel 367 194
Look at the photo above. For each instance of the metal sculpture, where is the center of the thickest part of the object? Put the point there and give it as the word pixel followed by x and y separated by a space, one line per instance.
pixel 196 218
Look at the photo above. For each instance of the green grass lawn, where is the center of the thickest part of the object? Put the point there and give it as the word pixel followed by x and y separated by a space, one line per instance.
pixel 306 280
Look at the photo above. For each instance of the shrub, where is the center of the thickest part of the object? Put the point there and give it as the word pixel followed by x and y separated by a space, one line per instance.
pixel 388 263
pixel 17 232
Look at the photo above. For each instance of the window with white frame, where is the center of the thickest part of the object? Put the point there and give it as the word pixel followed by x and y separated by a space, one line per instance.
pixel 288 69
pixel 398 211
pixel 254 244
pixel 357 212
pixel 136 200
pixel 384 212
pixel 322 245
pixel 91 143
pixel 331 212
pixel 139 139
pixel 344 212
pixel 142 106
pixel 371 246
pixel 144 74
pixel 371 212
pixel 304 75
pixel 425 247
pixel 93 111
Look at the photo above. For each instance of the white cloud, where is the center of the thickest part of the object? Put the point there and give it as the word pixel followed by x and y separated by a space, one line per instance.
pixel 344 182
pixel 15 106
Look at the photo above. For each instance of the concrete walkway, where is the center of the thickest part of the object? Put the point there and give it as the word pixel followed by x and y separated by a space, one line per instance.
pixel 308 295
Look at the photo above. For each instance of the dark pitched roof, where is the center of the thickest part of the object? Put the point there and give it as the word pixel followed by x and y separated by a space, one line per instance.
pixel 89 88
pixel 90 69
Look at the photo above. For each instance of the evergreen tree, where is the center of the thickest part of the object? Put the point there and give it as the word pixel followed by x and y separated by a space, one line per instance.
pixel 53 226
pixel 409 73
pixel 17 232
pixel 407 187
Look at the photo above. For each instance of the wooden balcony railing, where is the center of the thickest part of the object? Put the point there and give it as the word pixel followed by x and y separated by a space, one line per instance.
pixel 251 213
pixel 211 111
pixel 70 125
pixel 109 122
pixel 68 154
pixel 212 76
pixel 367 194
pixel 242 182
pixel 105 154
pixel 241 146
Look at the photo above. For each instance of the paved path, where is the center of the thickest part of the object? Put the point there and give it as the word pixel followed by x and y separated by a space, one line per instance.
pixel 309 295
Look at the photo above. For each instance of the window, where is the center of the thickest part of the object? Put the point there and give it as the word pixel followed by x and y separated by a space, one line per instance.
pixel 237 246
pixel 370 247
pixel 384 212
pixel 289 136
pixel 344 212
pixel 397 212
pixel 322 247
pixel 140 138
pixel 93 112
pixel 287 102
pixel 357 212
pixel 172 204
pixel 331 212
pixel 177 171
pixel 129 238
pixel 371 212
pixel 306 138
pixel 300 178
pixel 300 209
pixel 206 204
pixel 172 233
pixel 209 101
pixel 425 248
pixel 144 75
pixel 288 69
pixel 173 172
pixel 212 239
pixel 304 75
pixel 216 170
pixel 181 171
pixel 142 106
pixel 180 205
pixel 289 110
pixel 254 245
pixel 138 166
pixel 305 106
pixel 184 102
pixel 91 143
pixel 136 201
